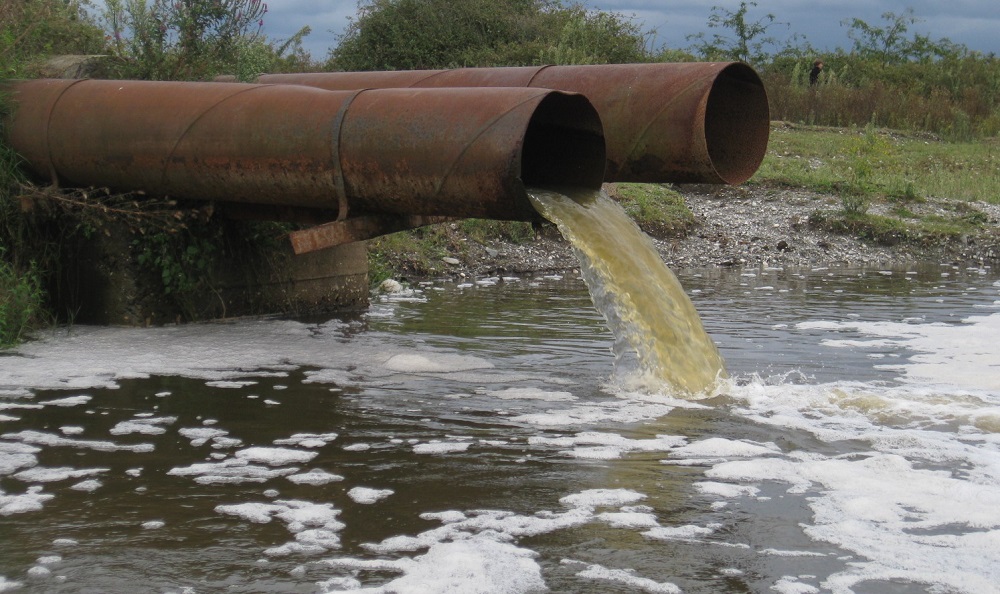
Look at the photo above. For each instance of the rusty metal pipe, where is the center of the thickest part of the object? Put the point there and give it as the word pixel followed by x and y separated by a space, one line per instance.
pixel 454 152
pixel 682 122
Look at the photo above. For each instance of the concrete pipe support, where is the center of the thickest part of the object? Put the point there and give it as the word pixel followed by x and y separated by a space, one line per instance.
pixel 682 122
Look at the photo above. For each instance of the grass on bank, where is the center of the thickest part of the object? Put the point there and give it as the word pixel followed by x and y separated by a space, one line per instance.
pixel 901 170
pixel 882 163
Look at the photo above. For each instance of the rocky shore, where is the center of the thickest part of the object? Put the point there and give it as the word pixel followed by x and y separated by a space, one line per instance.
pixel 748 227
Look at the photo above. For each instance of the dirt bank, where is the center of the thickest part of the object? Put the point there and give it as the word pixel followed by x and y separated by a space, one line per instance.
pixel 746 227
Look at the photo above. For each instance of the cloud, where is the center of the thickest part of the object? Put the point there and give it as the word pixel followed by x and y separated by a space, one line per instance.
pixel 326 19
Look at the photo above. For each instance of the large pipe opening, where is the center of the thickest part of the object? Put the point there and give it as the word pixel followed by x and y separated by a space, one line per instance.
pixel 564 144
pixel 737 123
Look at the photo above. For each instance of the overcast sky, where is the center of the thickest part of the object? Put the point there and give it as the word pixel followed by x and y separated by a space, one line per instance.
pixel 974 23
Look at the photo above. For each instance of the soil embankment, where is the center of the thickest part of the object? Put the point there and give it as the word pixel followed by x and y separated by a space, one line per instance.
pixel 746 227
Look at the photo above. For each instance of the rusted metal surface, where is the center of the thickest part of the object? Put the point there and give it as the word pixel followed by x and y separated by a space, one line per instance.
pixel 683 122
pixel 429 151
pixel 356 229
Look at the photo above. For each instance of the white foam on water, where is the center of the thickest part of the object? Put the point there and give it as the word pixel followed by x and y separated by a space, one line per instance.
pixel 481 532
pixel 626 577
pixel 29 501
pixel 39 572
pixel 307 440
pixel 71 430
pixel 230 384
pixel 792 585
pixel 613 411
pixel 441 447
pixel 531 394
pixel 919 505
pixel 314 477
pixel 718 447
pixel 949 355
pixel 15 456
pixel 368 496
pixel 726 490
pixel 144 426
pixel 231 471
pixel 8 419
pixel 274 456
pixel 629 520
pixel 357 447
pixel 473 566
pixel 88 486
pixel 40 474
pixel 50 439
pixel 442 363
pixel 68 401
pixel 592 498
pixel 153 525
pixel 688 532
pixel 20 405
pixel 606 446
pixel 201 435
pixel 9 585
pixel 315 525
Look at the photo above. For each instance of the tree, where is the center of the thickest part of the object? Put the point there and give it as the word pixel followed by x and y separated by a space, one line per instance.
pixel 185 39
pixel 32 29
pixel 747 40
pixel 593 37
pixel 430 34
pixel 890 44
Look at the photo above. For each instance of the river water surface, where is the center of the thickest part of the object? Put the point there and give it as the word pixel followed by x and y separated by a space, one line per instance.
pixel 475 438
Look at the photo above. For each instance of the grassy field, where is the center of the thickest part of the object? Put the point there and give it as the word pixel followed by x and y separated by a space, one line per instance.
pixel 881 164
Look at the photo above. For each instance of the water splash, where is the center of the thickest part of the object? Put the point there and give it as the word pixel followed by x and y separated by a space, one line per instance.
pixel 644 304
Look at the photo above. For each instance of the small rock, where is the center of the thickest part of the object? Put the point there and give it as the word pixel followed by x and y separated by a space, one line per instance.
pixel 450 260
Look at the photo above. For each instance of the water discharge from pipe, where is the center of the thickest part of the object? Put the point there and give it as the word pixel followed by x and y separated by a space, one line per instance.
pixel 643 302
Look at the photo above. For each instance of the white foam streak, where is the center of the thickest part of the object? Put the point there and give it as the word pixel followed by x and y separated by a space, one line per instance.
pixel 626 577
pixel 966 354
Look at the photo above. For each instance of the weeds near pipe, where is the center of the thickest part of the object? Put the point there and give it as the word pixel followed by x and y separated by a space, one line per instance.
pixel 657 208
pixel 21 295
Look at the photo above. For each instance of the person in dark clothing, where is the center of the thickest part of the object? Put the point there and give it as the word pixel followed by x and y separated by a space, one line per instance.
pixel 814 73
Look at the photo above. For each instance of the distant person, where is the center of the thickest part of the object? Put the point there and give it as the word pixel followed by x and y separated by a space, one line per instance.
pixel 814 73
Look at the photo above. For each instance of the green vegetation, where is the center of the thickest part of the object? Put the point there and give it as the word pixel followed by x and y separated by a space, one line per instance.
pixel 868 166
pixel 33 28
pixel 195 40
pixel 657 208
pixel 20 302
pixel 427 34
pixel 871 162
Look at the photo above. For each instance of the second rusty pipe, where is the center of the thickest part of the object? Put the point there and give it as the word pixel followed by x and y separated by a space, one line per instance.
pixel 451 152
pixel 692 122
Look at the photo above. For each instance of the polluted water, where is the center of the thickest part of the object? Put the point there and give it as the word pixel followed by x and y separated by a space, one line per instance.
pixel 465 436
pixel 644 304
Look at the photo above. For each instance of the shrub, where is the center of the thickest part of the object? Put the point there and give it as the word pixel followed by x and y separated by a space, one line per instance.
pixel 432 34
pixel 21 299
pixel 189 40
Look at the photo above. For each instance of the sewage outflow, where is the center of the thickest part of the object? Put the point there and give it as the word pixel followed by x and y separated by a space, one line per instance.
pixel 646 308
